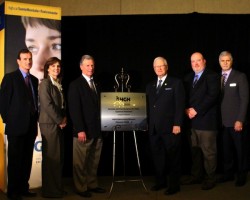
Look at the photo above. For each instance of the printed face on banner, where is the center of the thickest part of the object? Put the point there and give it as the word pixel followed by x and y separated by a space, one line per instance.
pixel 43 43
pixel 41 36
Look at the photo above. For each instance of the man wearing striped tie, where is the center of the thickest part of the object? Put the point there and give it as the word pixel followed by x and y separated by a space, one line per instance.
pixel 234 103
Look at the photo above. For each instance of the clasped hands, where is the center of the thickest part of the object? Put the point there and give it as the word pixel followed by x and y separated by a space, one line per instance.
pixel 63 123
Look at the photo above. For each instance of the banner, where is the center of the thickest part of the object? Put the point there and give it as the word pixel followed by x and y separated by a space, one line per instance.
pixel 37 28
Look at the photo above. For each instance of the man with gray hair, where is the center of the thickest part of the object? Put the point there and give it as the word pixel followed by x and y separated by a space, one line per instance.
pixel 234 103
pixel 166 101
pixel 84 110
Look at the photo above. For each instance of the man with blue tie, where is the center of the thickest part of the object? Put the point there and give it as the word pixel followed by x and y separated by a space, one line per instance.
pixel 166 100
pixel 234 103
pixel 18 106
pixel 202 89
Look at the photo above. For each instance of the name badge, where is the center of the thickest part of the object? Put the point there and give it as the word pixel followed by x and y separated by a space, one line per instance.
pixel 232 84
pixel 168 88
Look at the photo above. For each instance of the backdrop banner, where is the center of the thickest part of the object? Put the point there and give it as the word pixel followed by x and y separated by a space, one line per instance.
pixel 20 25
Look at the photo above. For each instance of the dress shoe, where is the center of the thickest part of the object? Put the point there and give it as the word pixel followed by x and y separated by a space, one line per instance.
pixel 97 190
pixel 224 178
pixel 241 180
pixel 171 191
pixel 208 185
pixel 86 194
pixel 158 187
pixel 14 197
pixel 28 194
pixel 189 180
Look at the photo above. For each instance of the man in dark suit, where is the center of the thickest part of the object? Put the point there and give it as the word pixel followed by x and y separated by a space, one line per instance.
pixel 166 102
pixel 234 103
pixel 202 89
pixel 84 110
pixel 18 101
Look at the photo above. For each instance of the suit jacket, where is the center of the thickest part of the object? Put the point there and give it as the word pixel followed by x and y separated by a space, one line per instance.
pixel 15 103
pixel 166 108
pixel 84 108
pixel 204 98
pixel 50 103
pixel 235 99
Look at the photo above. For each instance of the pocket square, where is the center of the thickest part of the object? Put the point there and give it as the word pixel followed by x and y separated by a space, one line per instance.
pixel 232 84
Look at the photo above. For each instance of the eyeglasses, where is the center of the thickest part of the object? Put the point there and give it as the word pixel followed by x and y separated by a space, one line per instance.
pixel 160 66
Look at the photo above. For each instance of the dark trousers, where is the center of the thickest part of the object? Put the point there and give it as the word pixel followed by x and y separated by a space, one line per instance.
pixel 234 142
pixel 20 154
pixel 166 151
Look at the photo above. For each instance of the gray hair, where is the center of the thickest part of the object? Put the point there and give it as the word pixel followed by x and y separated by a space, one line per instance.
pixel 161 58
pixel 86 57
pixel 226 53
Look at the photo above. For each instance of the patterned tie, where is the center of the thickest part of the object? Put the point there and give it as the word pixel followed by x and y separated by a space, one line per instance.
pixel 195 80
pixel 223 79
pixel 158 87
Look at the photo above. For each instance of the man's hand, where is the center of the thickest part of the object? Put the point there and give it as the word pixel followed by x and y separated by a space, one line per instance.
pixel 82 136
pixel 176 130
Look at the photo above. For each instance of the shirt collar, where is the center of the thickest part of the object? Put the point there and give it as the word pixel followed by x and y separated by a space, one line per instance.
pixel 199 74
pixel 87 78
pixel 226 72
pixel 162 78
pixel 23 73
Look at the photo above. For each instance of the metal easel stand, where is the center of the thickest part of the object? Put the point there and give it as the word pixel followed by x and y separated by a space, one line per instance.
pixel 114 159
pixel 124 78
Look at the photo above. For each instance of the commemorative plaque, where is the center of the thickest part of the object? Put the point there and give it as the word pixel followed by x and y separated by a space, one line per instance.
pixel 123 111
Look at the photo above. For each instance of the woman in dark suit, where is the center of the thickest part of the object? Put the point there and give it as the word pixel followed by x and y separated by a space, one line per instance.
pixel 52 120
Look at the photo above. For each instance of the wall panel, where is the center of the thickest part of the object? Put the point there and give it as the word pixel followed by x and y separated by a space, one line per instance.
pixel 124 7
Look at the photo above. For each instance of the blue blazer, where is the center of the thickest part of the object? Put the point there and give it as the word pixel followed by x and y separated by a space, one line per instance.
pixel 204 98
pixel 166 108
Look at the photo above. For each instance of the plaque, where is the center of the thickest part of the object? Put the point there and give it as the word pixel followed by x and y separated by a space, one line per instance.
pixel 123 111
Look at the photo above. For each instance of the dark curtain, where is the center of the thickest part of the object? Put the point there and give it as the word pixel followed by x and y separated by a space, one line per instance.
pixel 132 42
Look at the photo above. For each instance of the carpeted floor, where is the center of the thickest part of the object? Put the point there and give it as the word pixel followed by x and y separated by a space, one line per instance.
pixel 134 190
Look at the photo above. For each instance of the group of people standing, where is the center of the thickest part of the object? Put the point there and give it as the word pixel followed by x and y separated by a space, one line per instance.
pixel 211 103
pixel 24 102
pixel 203 97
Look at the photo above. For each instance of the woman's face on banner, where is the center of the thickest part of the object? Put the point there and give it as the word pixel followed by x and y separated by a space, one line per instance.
pixel 44 43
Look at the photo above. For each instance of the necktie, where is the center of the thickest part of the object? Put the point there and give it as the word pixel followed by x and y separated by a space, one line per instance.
pixel 28 84
pixel 195 80
pixel 223 79
pixel 158 87
pixel 92 85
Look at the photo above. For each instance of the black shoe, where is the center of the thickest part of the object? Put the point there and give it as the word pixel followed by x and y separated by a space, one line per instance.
pixel 28 194
pixel 189 180
pixel 97 190
pixel 86 194
pixel 158 187
pixel 241 180
pixel 14 197
pixel 224 178
pixel 171 191
pixel 208 185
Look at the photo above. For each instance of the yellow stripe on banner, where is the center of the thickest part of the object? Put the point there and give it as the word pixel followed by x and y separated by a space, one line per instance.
pixel 2 152
pixel 32 10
